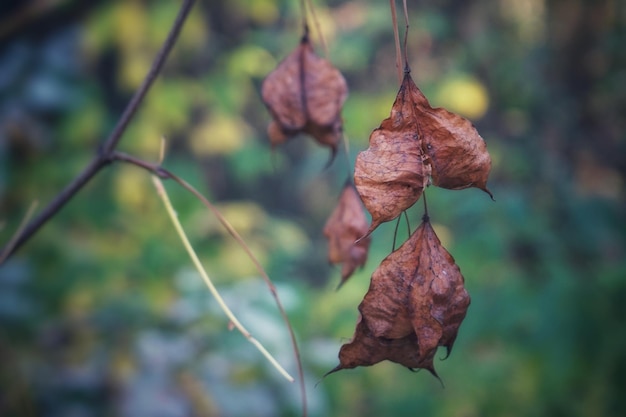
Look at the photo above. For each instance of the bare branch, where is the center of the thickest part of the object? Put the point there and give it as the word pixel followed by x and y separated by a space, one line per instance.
pixel 104 155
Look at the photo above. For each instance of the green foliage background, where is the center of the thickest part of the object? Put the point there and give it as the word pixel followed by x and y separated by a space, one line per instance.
pixel 101 313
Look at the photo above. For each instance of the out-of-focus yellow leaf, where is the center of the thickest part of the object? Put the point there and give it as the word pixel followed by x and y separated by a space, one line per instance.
pixel 244 216
pixel 131 187
pixel 169 104
pixel 362 113
pixel 144 137
pixel 263 12
pixel 463 95
pixel 288 237
pixel 252 61
pixel 220 134
pixel 327 27
pixel 130 25
pixel 134 67
pixel 234 261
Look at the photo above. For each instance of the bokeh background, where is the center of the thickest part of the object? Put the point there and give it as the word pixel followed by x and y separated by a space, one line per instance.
pixel 102 313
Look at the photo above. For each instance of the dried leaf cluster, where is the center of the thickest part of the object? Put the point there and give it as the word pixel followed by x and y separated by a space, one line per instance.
pixel 414 146
pixel 416 300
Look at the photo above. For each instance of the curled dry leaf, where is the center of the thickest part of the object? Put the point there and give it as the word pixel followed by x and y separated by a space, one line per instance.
pixel 390 175
pixel 457 153
pixel 346 224
pixel 365 349
pixel 305 93
pixel 414 144
pixel 415 303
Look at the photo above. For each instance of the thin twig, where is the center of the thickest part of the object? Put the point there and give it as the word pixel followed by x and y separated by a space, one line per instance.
pixel 425 217
pixel 396 36
pixel 9 246
pixel 395 234
pixel 103 157
pixel 318 27
pixel 205 277
pixel 408 223
pixel 165 174
pixel 406 35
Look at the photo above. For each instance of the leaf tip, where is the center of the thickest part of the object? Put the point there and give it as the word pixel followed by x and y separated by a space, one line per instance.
pixel 332 371
pixel 485 189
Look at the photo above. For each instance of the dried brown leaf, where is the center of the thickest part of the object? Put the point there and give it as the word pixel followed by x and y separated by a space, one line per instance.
pixel 413 144
pixel 390 175
pixel 457 153
pixel 305 93
pixel 346 224
pixel 416 303
pixel 365 349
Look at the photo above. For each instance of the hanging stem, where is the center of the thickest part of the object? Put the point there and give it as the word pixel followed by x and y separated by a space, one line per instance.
pixel 395 234
pixel 425 217
pixel 406 35
pixel 305 25
pixel 396 36
pixel 318 28
pixel 408 224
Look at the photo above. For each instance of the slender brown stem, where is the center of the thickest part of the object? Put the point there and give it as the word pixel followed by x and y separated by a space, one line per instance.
pixel 406 35
pixel 166 174
pixel 408 223
pixel 396 36
pixel 103 157
pixel 318 28
pixel 395 233
pixel 425 217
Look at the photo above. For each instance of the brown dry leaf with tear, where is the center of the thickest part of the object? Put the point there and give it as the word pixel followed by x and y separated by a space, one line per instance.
pixel 390 175
pixel 457 153
pixel 305 93
pixel 346 224
pixel 365 349
pixel 414 144
pixel 416 303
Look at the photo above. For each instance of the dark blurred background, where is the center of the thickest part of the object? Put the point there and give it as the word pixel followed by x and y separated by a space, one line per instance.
pixel 102 314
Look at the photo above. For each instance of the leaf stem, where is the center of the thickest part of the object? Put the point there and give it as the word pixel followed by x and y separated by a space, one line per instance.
pixel 396 36
pixel 406 35
pixel 318 28
pixel 408 223
pixel 205 277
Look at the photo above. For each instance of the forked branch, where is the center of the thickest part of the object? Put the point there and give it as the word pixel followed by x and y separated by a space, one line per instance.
pixel 104 154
